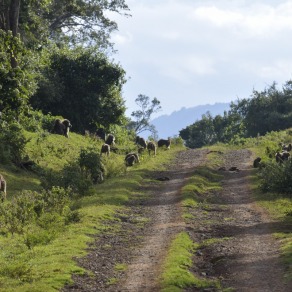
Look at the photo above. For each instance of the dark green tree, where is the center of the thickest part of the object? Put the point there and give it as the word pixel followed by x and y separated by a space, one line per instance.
pixel 142 116
pixel 200 133
pixel 17 76
pixel 83 86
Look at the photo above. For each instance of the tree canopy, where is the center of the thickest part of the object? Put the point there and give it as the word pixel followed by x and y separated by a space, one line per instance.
pixel 60 48
pixel 265 111
pixel 84 87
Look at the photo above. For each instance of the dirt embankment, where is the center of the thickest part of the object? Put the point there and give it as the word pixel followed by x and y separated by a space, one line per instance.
pixel 246 258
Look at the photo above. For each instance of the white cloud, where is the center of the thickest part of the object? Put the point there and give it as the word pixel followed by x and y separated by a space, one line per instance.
pixel 172 47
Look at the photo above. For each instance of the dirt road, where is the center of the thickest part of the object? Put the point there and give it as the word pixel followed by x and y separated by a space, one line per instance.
pixel 245 258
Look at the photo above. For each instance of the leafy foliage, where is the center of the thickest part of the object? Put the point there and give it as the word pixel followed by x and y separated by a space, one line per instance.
pixel 16 83
pixel 143 115
pixel 266 111
pixel 82 86
pixel 12 140
pixel 276 177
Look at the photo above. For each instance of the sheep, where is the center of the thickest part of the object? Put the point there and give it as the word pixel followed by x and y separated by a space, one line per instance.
pixel 281 157
pixel 141 142
pixel 105 148
pixel 62 127
pixel 287 147
pixel 151 147
pixel 2 187
pixel 131 159
pixel 110 140
pixel 163 142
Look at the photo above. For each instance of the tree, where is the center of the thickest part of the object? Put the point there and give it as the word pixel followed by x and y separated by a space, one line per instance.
pixel 143 115
pixel 16 77
pixel 84 22
pixel 74 21
pixel 200 133
pixel 83 86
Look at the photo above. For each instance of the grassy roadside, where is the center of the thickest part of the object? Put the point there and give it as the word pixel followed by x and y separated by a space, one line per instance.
pixel 48 265
pixel 176 275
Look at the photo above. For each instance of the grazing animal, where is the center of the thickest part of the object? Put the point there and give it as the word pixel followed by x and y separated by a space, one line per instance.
pixel 62 127
pixel 131 159
pixel 105 148
pixel 163 142
pixel 2 187
pixel 141 142
pixel 110 140
pixel 151 147
pixel 256 162
pixel 282 156
pixel 287 147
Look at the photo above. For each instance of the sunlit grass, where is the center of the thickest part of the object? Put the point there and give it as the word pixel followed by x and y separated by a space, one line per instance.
pixel 48 267
pixel 176 275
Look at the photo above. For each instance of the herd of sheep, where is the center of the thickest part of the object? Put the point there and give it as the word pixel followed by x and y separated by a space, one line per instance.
pixel 133 157
pixel 62 127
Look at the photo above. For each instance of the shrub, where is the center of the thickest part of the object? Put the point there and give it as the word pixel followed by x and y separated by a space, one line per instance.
pixel 36 121
pixel 91 164
pixel 12 140
pixel 276 177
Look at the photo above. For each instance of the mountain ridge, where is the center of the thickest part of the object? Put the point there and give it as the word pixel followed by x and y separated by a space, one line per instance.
pixel 170 125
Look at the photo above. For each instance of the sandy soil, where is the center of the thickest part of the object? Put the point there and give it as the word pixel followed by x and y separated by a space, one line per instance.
pixel 246 257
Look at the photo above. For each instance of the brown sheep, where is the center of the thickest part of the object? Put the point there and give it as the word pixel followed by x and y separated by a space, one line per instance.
pixel 110 140
pixel 105 148
pixel 2 187
pixel 131 159
pixel 151 147
pixel 163 142
pixel 62 127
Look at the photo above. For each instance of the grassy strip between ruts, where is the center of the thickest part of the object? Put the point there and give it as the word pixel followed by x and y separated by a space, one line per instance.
pixel 176 274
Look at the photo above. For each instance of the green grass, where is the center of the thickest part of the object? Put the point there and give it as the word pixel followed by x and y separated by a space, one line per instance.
pixel 195 192
pixel 49 266
pixel 176 275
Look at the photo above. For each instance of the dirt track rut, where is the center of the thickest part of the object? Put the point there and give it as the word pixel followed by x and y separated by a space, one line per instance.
pixel 247 261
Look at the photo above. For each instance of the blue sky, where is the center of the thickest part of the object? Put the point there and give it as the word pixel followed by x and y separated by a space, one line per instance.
pixel 188 53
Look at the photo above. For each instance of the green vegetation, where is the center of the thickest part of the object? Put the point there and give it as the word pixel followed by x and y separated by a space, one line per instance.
pixel 42 230
pixel 55 60
pixel 264 112
pixel 271 189
pixel 176 275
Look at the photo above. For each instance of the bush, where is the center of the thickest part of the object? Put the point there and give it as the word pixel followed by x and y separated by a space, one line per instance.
pixel 12 140
pixel 36 121
pixel 276 177
pixel 91 165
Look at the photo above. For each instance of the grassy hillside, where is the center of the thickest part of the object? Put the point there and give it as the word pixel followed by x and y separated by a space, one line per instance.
pixel 39 255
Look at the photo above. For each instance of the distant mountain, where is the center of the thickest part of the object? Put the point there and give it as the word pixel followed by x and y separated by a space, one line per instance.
pixel 170 125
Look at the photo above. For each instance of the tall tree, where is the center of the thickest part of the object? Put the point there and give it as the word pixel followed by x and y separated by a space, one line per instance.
pixel 143 115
